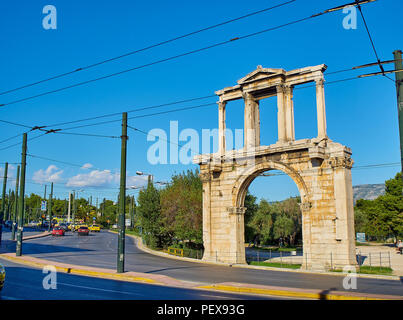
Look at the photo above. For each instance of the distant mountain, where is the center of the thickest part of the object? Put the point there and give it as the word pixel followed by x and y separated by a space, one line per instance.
pixel 368 191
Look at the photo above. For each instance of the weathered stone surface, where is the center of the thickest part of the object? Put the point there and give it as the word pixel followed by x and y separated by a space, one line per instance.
pixel 320 168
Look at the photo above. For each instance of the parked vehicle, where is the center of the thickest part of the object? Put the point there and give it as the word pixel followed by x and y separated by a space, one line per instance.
pixel 63 226
pixel 57 231
pixel 2 276
pixel 94 228
pixel 83 231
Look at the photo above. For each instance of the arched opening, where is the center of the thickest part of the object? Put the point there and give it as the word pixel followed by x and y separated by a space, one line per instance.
pixel 273 219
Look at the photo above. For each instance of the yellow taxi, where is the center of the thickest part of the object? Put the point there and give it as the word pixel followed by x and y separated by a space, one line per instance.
pixel 94 228
pixel 77 226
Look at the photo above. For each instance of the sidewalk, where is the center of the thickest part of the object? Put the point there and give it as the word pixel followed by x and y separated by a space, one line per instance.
pixel 157 279
pixel 171 282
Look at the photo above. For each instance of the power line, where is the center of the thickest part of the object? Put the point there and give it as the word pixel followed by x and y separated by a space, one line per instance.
pixel 19 143
pixel 149 47
pixel 133 110
pixel 185 53
pixel 372 41
pixel 16 124
pixel 187 108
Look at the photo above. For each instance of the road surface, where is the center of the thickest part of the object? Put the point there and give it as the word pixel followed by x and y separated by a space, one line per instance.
pixel 99 250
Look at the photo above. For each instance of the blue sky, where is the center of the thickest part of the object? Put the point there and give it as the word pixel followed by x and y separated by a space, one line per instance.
pixel 361 114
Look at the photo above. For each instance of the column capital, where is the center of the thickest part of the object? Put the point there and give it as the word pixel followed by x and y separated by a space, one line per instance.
pixel 320 82
pixel 280 88
pixel 248 96
pixel 205 176
pixel 221 104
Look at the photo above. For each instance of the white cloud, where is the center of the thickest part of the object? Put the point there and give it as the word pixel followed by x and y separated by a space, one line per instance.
pixel 87 166
pixel 95 178
pixel 51 174
pixel 104 178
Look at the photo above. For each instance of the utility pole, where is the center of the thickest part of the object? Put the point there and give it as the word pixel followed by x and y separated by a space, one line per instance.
pixel 3 199
pixel 69 208
pixel 74 209
pixel 16 204
pixel 399 90
pixel 50 207
pixel 9 205
pixel 122 198
pixel 44 213
pixel 21 199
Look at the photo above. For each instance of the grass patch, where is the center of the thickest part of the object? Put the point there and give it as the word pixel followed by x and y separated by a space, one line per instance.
pixel 360 244
pixel 275 265
pixel 371 270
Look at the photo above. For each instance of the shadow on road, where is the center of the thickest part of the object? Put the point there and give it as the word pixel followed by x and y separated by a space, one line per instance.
pixel 324 293
pixel 9 246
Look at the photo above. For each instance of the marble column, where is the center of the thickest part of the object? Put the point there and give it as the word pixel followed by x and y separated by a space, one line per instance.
pixel 289 114
pixel 221 127
pixel 252 122
pixel 281 120
pixel 321 108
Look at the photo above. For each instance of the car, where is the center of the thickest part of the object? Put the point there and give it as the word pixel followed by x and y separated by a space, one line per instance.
pixel 94 228
pixel 64 226
pixel 115 226
pixel 57 231
pixel 2 276
pixel 83 231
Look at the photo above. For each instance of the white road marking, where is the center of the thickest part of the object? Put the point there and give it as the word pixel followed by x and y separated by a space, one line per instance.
pixel 99 289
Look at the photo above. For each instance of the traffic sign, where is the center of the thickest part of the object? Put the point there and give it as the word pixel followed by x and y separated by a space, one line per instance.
pixel 43 205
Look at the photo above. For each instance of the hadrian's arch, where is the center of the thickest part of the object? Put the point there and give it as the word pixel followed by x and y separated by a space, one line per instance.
pixel 320 168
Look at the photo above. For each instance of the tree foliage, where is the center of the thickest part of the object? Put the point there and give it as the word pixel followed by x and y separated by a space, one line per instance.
pixel 383 216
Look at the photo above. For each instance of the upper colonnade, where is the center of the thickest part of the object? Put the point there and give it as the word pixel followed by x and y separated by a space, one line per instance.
pixel 268 82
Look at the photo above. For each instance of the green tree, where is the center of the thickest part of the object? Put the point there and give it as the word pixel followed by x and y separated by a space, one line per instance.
pixel 149 210
pixel 181 208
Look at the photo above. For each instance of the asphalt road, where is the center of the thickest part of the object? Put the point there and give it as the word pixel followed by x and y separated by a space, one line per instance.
pixel 25 283
pixel 99 250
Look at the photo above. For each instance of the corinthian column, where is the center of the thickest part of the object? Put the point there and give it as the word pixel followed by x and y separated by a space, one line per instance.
pixel 281 113
pixel 221 127
pixel 289 114
pixel 251 122
pixel 321 108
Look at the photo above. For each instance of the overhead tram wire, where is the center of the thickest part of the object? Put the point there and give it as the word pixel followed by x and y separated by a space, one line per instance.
pixel 150 46
pixel 19 143
pixel 212 104
pixel 198 106
pixel 187 53
pixel 132 110
pixel 372 41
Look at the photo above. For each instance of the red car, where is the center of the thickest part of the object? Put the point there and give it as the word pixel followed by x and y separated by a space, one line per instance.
pixel 83 231
pixel 57 231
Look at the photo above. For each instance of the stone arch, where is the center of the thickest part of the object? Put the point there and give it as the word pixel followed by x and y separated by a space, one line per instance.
pixel 246 178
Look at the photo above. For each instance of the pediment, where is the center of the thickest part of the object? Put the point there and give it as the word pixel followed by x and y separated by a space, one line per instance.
pixel 260 73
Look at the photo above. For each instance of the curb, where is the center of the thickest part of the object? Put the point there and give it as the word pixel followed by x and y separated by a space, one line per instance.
pixel 41 235
pixel 142 247
pixel 81 270
pixel 297 293
pixel 240 288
